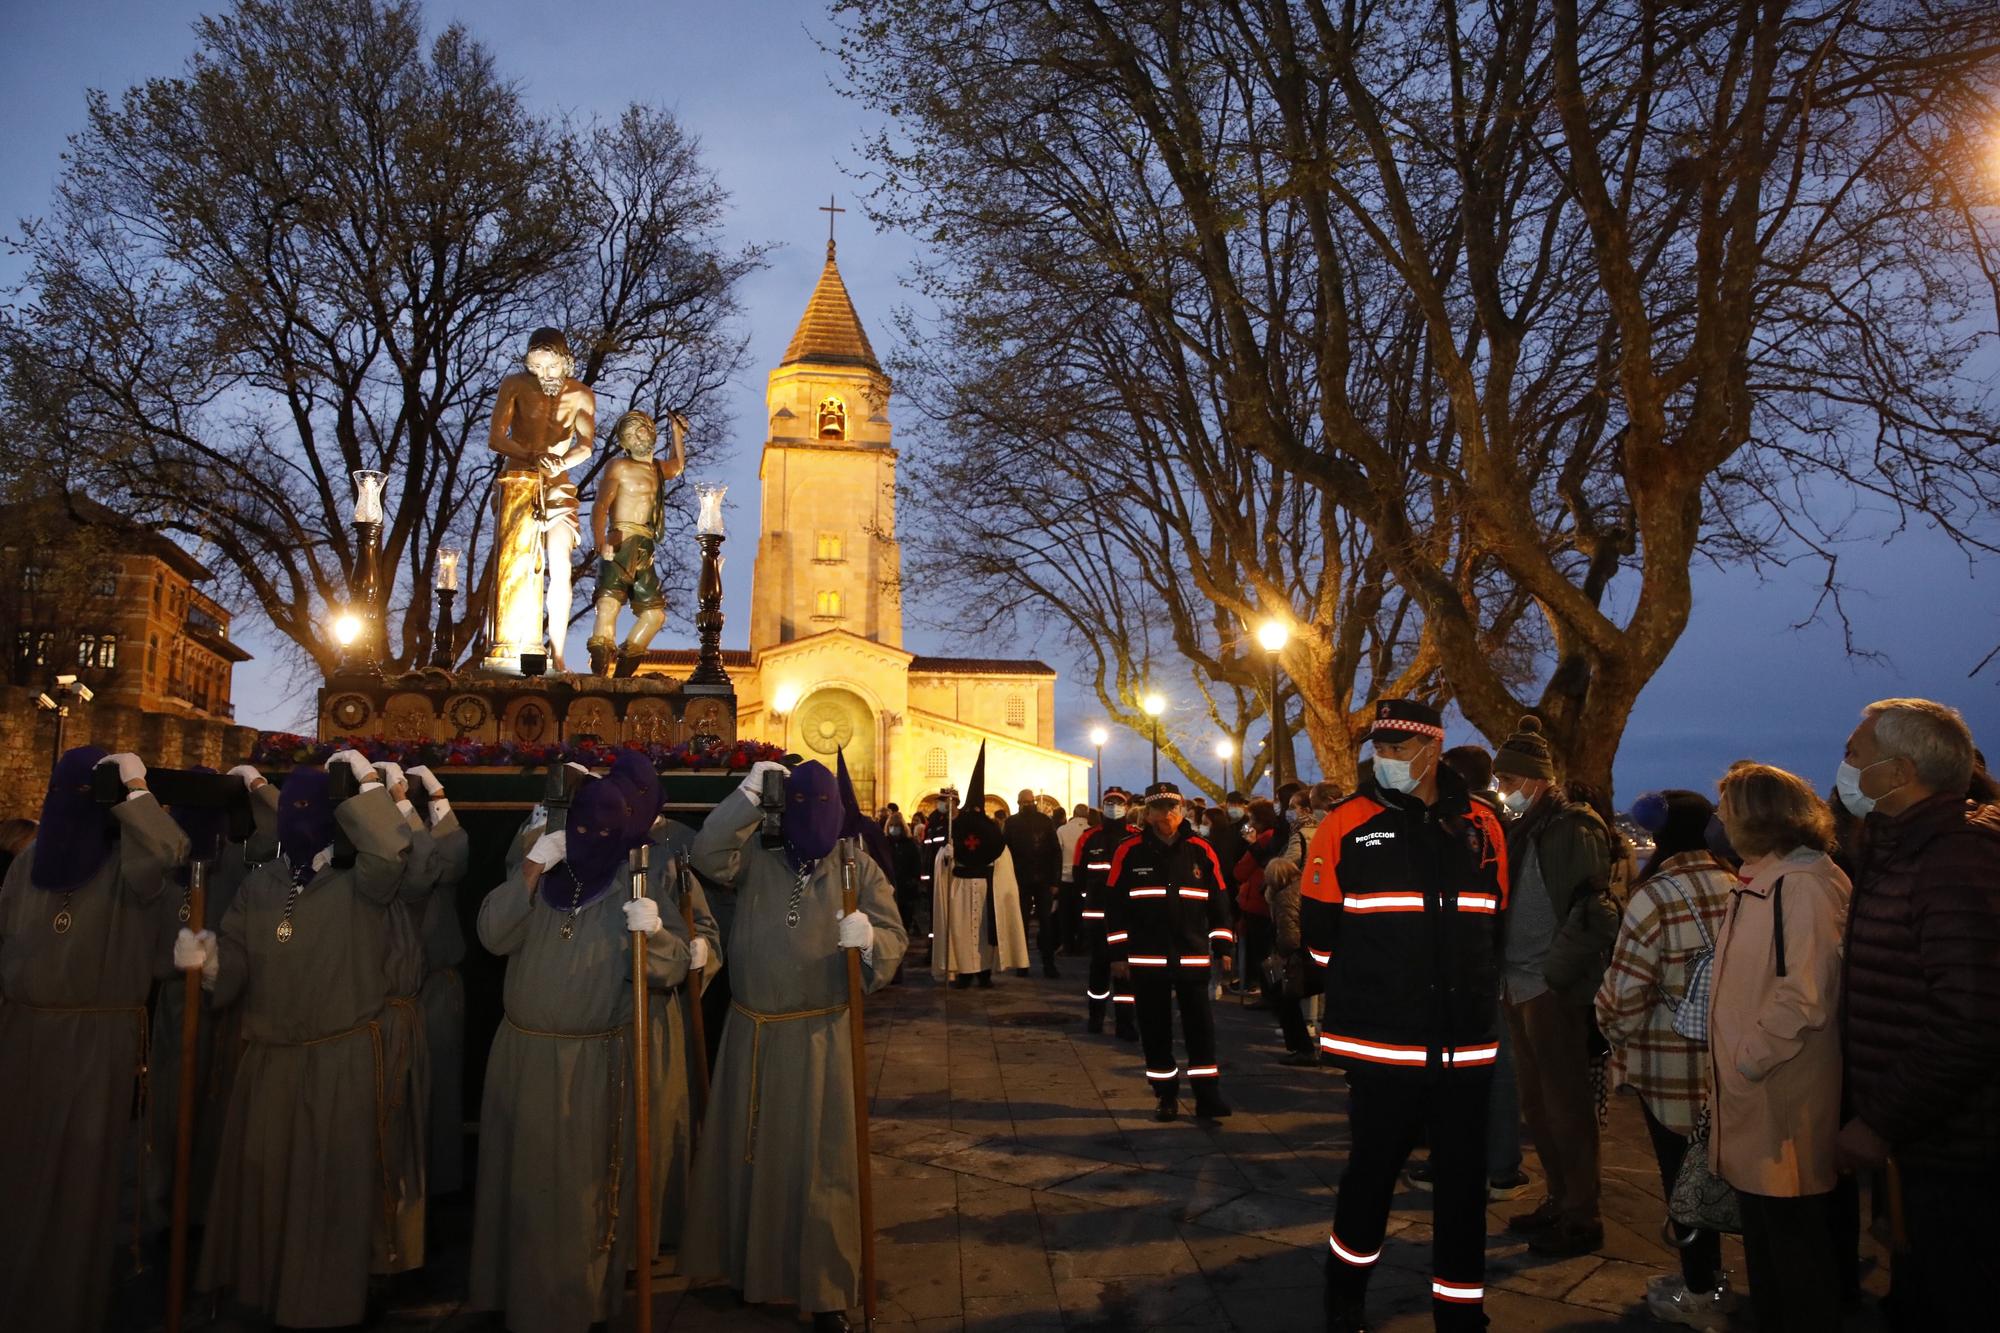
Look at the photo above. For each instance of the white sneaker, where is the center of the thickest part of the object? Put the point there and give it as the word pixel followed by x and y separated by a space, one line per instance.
pixel 1670 1302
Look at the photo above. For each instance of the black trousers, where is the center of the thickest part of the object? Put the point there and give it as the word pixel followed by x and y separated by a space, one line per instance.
pixel 1100 989
pixel 1702 1256
pixel 1389 1111
pixel 1038 904
pixel 1292 1018
pixel 1788 1250
pixel 1943 1285
pixel 1158 990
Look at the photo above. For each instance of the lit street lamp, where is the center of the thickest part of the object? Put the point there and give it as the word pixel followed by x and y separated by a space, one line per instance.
pixel 1225 750
pixel 68 691
pixel 1098 736
pixel 1271 637
pixel 1155 704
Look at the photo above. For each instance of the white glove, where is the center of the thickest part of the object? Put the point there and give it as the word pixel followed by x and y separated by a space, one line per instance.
pixel 131 768
pixel 549 849
pixel 858 932
pixel 421 773
pixel 642 916
pixel 753 786
pixel 698 957
pixel 357 763
pixel 192 951
pixel 391 774
pixel 403 807
pixel 252 779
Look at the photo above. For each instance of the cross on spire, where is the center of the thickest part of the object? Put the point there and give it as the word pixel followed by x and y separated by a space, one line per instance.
pixel 830 209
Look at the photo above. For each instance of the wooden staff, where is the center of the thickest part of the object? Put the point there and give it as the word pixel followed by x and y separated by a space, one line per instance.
pixel 185 1096
pixel 858 1044
pixel 642 1125
pixel 697 1025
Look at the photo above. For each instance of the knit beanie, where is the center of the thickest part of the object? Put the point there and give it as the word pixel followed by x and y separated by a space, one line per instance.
pixel 1677 819
pixel 1525 754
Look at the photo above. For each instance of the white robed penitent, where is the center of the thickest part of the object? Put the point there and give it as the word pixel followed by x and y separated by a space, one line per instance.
pixel 976 918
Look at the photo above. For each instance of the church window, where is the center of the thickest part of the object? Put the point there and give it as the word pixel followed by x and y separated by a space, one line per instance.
pixel 832 419
pixel 831 547
pixel 86 650
pixel 107 651
pixel 1017 711
pixel 826 604
pixel 936 764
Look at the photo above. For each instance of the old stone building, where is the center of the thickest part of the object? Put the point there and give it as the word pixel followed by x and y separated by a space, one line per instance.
pixel 826 671
pixel 84 591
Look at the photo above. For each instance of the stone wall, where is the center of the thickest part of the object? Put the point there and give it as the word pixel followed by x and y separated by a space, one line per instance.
pixel 27 738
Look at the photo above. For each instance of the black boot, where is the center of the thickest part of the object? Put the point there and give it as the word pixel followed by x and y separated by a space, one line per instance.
pixel 628 665
pixel 1344 1309
pixel 601 653
pixel 1208 1103
pixel 985 980
pixel 830 1321
pixel 1096 1025
pixel 1127 1027
pixel 1169 1107
pixel 963 981
pixel 1049 967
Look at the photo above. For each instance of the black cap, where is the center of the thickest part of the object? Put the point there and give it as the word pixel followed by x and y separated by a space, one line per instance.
pixel 1162 791
pixel 1119 792
pixel 1399 720
pixel 1234 798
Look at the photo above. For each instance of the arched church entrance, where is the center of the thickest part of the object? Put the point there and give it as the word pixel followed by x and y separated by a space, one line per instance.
pixel 833 721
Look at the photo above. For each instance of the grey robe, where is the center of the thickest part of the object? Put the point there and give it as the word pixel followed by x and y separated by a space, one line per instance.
pixel 775 1177
pixel 675 1157
pixel 303 1190
pixel 552 1230
pixel 399 1241
pixel 72 1008
pixel 442 1001
pixel 219 1036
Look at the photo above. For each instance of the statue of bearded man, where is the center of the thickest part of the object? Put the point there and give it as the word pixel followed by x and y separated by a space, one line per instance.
pixel 545 423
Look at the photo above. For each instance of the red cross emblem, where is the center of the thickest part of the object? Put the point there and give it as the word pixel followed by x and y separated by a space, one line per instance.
pixel 972 842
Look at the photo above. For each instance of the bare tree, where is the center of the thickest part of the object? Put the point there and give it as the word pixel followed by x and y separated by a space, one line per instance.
pixel 318 250
pixel 1582 294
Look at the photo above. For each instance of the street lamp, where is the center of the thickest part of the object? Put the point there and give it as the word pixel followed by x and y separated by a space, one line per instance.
pixel 68 690
pixel 1272 636
pixel 1155 704
pixel 1225 750
pixel 1098 736
pixel 364 590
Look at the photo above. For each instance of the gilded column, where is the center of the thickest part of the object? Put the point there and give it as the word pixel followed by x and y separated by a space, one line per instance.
pixel 517 572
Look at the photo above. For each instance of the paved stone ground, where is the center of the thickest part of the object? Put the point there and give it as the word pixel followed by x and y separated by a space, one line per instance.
pixel 1022 1185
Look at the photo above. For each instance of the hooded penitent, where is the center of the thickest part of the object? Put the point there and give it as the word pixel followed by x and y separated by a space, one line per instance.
pixel 813 816
pixel 642 787
pixel 976 840
pixel 75 833
pixel 859 825
pixel 305 819
pixel 596 835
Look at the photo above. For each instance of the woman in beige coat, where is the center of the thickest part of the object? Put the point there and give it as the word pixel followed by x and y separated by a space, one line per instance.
pixel 1774 1043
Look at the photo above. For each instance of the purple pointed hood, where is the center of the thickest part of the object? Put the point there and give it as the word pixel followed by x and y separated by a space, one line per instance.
pixel 813 816
pixel 76 834
pixel 641 781
pixel 305 819
pixel 597 834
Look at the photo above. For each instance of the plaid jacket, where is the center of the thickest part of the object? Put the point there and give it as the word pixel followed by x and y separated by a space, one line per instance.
pixel 1647 978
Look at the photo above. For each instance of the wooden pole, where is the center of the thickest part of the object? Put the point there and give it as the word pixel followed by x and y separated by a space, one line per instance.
pixel 857 1041
pixel 185 1096
pixel 642 1126
pixel 697 1024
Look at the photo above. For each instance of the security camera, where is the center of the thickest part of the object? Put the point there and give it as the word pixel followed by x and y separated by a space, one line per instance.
pixel 64 682
pixel 83 692
pixel 43 701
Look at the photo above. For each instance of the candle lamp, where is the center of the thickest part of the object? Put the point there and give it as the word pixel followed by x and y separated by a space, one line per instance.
pixel 446 586
pixel 708 670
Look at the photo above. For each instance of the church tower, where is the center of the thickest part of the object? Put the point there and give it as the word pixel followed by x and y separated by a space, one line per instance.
pixel 828 557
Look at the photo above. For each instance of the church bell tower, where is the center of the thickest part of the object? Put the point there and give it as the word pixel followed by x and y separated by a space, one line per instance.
pixel 828 557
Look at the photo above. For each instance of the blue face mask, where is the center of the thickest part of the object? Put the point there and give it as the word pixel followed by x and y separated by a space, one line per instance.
pixel 1398 774
pixel 1848 785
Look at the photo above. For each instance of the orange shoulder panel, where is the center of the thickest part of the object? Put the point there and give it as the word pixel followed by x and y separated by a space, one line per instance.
pixel 1320 876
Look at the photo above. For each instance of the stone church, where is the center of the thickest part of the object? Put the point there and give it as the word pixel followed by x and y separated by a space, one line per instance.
pixel 826 670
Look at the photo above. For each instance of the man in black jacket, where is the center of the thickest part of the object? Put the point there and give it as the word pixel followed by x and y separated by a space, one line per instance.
pixel 1403 887
pixel 1166 909
pixel 1921 1004
pixel 1031 836
pixel 1091 874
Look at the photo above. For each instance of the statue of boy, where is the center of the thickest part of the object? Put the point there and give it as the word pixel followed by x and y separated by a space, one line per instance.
pixel 626 524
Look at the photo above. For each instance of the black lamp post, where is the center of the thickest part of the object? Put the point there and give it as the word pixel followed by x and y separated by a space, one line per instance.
pixel 1098 736
pixel 1155 704
pixel 1272 636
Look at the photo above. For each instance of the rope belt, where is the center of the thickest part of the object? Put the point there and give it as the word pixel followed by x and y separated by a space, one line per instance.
pixel 141 1072
pixel 757 1022
pixel 614 1170
pixel 383 1077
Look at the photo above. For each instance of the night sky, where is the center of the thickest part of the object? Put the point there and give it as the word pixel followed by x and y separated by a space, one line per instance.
pixel 749 80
